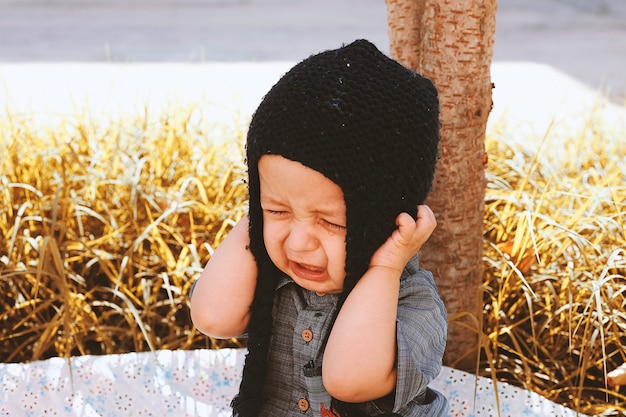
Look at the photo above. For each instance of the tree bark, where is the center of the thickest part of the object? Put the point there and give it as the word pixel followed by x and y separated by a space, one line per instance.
pixel 451 42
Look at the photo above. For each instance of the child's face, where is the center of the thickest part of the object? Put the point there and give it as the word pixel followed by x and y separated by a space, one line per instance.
pixel 304 219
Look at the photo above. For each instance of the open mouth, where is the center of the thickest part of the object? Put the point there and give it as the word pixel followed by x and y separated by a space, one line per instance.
pixel 308 272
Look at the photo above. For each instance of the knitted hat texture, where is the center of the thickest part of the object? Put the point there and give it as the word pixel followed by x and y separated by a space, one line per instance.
pixel 364 121
pixel 368 124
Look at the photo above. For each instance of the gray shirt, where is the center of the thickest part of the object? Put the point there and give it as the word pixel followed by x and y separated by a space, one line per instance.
pixel 302 322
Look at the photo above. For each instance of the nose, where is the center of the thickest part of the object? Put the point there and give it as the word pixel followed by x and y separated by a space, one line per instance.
pixel 301 237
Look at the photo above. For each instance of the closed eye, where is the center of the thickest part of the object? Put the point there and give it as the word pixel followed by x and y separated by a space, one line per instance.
pixel 334 226
pixel 275 212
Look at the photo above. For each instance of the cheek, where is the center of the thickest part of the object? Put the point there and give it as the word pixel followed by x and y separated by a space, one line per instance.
pixel 336 251
pixel 272 235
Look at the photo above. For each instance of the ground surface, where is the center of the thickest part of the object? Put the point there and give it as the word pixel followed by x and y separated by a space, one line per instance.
pixel 583 39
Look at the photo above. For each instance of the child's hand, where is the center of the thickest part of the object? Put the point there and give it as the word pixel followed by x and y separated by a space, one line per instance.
pixel 371 308
pixel 406 240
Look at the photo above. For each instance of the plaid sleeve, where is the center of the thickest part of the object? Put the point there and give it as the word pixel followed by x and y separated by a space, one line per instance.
pixel 421 338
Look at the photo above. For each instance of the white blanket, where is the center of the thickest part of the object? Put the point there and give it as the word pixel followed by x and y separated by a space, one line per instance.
pixel 200 383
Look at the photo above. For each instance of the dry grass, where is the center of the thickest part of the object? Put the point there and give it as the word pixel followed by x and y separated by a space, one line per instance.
pixel 555 258
pixel 104 228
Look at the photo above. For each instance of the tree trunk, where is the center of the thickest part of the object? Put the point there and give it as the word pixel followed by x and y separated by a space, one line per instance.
pixel 451 42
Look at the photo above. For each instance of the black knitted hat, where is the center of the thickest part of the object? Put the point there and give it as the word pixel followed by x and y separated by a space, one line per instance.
pixel 368 124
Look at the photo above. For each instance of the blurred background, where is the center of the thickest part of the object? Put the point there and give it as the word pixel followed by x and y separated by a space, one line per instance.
pixel 584 39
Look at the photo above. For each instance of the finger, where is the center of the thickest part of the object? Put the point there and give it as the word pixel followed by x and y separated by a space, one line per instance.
pixel 406 225
pixel 425 213
pixel 404 219
pixel 426 220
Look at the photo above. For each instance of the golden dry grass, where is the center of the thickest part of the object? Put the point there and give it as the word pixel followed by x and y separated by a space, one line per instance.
pixel 104 229
pixel 555 259
pixel 105 226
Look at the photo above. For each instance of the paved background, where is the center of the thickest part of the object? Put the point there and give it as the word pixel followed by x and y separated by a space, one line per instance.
pixel 585 39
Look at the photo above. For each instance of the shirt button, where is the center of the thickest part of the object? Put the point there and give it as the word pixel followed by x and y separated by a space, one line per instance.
pixel 303 404
pixel 307 335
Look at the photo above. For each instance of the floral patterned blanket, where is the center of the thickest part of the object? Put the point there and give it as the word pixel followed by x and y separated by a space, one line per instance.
pixel 201 383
